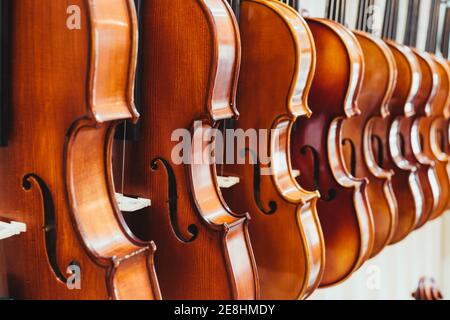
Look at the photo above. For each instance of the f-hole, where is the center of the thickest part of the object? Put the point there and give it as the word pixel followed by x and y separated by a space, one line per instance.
pixel 331 193
pixel 5 68
pixel 441 140
pixel 350 143
pixel 173 201
pixel 377 145
pixel 49 226
pixel 402 145
pixel 257 185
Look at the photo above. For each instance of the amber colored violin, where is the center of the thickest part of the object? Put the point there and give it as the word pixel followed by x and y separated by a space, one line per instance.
pixel 317 150
pixel 190 61
pixel 69 89
pixel 278 61
pixel 380 74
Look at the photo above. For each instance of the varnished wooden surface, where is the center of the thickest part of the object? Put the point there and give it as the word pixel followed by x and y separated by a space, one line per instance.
pixel 191 55
pixel 362 148
pixel 316 150
pixel 69 90
pixel 277 67
pixel 412 204
pixel 432 96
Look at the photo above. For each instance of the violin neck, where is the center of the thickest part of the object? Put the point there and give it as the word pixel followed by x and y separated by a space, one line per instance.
pixel 336 10
pixel 390 23
pixel 433 26
pixel 445 43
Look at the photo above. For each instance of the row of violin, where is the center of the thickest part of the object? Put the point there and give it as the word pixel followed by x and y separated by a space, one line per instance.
pixel 350 154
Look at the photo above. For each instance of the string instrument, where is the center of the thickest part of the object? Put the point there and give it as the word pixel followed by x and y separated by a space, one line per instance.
pixel 190 60
pixel 432 98
pixel 65 99
pixel 278 61
pixel 414 204
pixel 358 139
pixel 317 148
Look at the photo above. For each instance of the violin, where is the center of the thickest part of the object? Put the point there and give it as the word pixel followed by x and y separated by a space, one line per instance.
pixel 430 102
pixel 278 62
pixel 414 201
pixel 317 148
pixel 190 58
pixel 65 99
pixel 358 138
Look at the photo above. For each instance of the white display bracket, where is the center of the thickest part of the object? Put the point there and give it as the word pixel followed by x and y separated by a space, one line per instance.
pixel 227 182
pixel 129 204
pixel 8 230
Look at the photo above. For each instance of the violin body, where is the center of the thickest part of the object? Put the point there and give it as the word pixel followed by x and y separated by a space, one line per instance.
pixel 414 204
pixel 190 62
pixel 69 90
pixel 362 151
pixel 276 72
pixel 427 103
pixel 317 151
pixel 438 134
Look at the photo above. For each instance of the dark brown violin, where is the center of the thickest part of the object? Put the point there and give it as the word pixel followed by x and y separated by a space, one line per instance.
pixel 190 58
pixel 278 61
pixel 317 149
pixel 362 160
pixel 71 83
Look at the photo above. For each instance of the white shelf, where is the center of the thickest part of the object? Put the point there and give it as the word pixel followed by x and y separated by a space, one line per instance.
pixel 8 230
pixel 227 182
pixel 128 204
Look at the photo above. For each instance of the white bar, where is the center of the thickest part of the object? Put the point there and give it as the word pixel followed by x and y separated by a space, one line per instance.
pixel 8 230
pixel 128 204
pixel 227 182
pixel 295 173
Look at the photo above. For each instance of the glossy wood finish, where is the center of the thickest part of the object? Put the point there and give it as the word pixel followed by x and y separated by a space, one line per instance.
pixel 276 73
pixel 69 90
pixel 191 56
pixel 317 151
pixel 413 206
pixel 432 97
pixel 438 134
pixel 362 147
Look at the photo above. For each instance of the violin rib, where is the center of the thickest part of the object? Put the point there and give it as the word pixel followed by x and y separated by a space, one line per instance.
pixel 190 63
pixel 317 151
pixel 67 98
pixel 278 56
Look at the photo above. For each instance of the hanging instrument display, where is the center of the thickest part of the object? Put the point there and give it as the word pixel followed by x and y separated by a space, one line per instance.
pixel 278 56
pixel 223 150
pixel 317 148
pixel 56 167
pixel 190 60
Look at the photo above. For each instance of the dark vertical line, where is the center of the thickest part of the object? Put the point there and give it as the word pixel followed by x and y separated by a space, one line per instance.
pixel 5 68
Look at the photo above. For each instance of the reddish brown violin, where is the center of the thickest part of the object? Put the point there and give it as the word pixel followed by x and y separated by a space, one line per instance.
pixel 414 195
pixel 190 62
pixel 66 98
pixel 426 115
pixel 317 150
pixel 380 74
pixel 278 60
